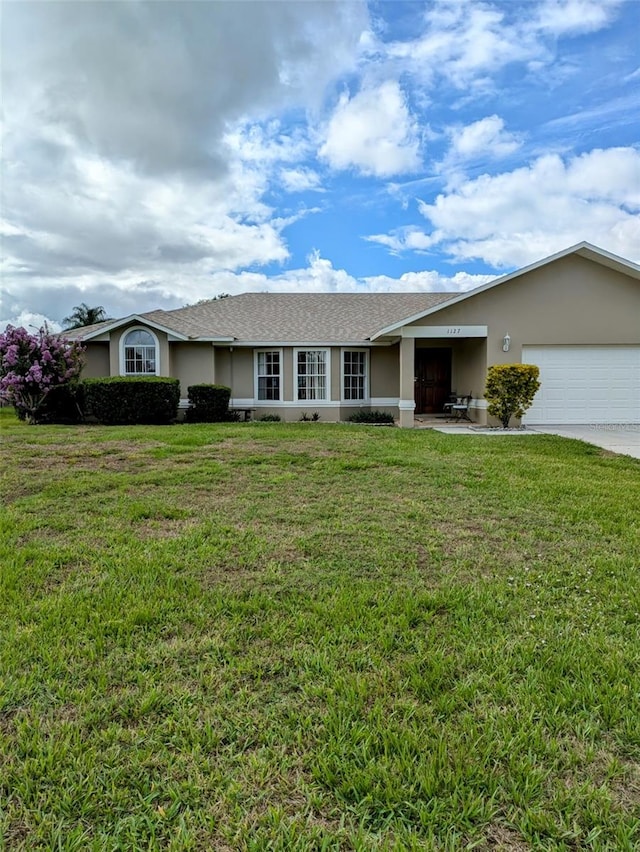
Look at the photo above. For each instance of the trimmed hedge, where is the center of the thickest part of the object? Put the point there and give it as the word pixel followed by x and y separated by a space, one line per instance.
pixel 375 416
pixel 208 403
pixel 123 400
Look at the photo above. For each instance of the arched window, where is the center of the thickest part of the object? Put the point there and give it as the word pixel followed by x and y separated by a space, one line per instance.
pixel 140 352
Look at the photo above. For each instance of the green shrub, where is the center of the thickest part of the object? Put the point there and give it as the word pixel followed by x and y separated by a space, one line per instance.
pixel 310 418
pixel 63 404
pixel 208 403
pixel 270 418
pixel 132 399
pixel 510 390
pixel 375 416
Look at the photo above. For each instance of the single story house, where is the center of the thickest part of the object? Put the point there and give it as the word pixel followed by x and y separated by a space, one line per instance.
pixel 575 314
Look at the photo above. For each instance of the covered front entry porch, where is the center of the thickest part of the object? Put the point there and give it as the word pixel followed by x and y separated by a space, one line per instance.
pixel 436 362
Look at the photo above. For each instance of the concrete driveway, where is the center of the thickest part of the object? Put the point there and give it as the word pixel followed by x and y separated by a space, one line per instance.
pixel 623 439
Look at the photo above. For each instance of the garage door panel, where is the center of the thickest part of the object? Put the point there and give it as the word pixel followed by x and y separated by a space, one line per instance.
pixel 585 384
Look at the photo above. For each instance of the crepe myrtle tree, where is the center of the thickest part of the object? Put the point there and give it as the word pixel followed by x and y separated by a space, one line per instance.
pixel 510 390
pixel 31 365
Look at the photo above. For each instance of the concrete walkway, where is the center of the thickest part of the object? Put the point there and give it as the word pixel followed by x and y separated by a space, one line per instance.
pixel 623 439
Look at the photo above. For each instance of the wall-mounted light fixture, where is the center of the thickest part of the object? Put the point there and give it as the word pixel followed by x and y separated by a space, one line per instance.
pixel 506 342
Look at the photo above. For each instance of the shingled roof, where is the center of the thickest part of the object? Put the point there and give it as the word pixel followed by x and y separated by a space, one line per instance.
pixel 324 317
pixel 288 317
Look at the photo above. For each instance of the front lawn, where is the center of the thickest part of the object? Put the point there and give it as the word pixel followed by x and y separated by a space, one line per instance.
pixel 315 637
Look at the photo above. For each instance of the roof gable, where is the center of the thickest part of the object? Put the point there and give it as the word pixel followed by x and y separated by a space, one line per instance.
pixel 583 249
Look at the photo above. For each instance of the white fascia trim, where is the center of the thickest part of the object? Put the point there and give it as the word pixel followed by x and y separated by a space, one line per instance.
pixel 212 340
pixel 406 404
pixel 139 318
pixel 265 403
pixel 452 331
pixel 302 344
pixel 280 374
pixel 583 249
pixel 374 402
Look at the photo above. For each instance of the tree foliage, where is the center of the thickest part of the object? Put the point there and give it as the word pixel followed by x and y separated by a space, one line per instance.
pixel 510 390
pixel 31 365
pixel 83 315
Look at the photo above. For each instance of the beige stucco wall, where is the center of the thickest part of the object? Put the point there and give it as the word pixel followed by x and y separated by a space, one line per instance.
pixel 570 301
pixel 192 363
pixel 287 374
pixel 469 366
pixel 96 361
pixel 241 373
pixel 384 371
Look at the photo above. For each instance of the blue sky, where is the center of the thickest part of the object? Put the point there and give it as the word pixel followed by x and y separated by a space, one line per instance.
pixel 161 153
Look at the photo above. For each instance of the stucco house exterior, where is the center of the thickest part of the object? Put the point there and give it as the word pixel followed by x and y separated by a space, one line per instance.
pixel 575 314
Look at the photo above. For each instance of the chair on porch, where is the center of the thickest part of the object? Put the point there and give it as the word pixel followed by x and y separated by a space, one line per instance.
pixel 460 408
pixel 451 401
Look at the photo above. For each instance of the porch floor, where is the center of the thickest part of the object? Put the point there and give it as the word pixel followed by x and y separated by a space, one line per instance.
pixel 438 421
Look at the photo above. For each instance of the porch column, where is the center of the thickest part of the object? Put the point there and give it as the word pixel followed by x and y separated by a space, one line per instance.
pixel 407 403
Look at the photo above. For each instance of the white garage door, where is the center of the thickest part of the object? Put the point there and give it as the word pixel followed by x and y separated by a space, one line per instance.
pixel 585 384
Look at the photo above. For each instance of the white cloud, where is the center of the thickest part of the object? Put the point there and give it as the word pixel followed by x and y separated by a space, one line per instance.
pixel 31 321
pixel 409 238
pixel 300 180
pixel 486 137
pixel 466 43
pixel 564 17
pixel 418 282
pixel 373 132
pixel 513 218
pixel 320 276
pixel 463 43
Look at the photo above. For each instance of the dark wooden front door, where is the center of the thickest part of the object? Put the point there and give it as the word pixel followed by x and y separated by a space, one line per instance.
pixel 433 379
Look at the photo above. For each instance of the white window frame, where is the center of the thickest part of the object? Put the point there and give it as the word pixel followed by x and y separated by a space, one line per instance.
pixel 327 361
pixel 256 375
pixel 366 398
pixel 123 360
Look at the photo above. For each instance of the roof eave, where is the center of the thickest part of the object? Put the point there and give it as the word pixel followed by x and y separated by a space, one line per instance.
pixel 135 318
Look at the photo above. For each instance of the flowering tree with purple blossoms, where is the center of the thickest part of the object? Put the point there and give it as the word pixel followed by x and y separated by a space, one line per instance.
pixel 31 365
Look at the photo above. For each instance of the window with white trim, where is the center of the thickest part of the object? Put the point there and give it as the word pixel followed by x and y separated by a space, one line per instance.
pixel 312 374
pixel 140 353
pixel 269 374
pixel 354 374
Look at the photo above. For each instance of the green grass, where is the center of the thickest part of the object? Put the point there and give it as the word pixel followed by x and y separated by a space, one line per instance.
pixel 314 637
